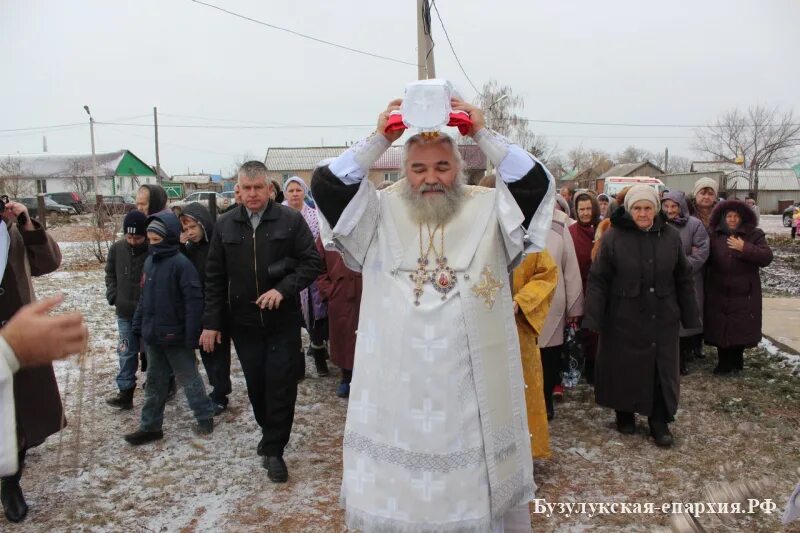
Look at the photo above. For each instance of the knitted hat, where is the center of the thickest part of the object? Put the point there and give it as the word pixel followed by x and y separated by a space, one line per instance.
pixel 135 223
pixel 157 227
pixel 641 192
pixel 705 183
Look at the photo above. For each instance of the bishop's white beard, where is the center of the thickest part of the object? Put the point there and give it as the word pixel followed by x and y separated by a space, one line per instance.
pixel 433 209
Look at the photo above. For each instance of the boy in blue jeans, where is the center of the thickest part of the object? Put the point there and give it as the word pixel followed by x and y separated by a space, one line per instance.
pixel 168 319
pixel 123 278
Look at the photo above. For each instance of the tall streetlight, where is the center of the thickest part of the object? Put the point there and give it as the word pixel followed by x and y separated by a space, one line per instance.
pixel 98 195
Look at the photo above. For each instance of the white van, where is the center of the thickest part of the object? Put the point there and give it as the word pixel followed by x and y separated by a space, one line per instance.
pixel 612 185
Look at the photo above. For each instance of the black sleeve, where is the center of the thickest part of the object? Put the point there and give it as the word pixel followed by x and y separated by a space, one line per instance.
pixel 111 275
pixel 685 289
pixel 598 285
pixel 309 264
pixel 216 285
pixel 330 194
pixel 529 191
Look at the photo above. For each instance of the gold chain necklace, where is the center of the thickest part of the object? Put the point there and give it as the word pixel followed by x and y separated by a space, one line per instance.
pixel 443 278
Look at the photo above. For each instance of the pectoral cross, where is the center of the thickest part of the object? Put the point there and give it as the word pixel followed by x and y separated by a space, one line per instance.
pixel 419 277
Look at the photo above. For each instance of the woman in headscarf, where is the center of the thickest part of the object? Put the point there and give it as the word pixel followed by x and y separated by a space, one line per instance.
pixel 733 285
pixel 315 311
pixel 640 291
pixel 566 307
pixel 604 201
pixel 694 238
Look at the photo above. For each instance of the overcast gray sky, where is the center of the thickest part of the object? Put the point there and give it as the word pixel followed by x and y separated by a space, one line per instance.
pixel 674 62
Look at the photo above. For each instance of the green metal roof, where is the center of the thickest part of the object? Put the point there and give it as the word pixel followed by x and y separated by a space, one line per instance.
pixel 130 165
pixel 569 175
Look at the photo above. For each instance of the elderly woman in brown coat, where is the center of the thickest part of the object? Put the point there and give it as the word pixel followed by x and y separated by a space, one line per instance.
pixel 733 285
pixel 39 413
pixel 640 291
pixel 340 288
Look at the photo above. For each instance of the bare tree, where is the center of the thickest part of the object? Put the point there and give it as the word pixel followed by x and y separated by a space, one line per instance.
pixel 80 179
pixel 763 136
pixel 12 181
pixel 580 158
pixel 502 109
pixel 239 161
pixel 633 154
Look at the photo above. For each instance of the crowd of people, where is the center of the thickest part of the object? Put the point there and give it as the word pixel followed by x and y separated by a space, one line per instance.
pixel 407 283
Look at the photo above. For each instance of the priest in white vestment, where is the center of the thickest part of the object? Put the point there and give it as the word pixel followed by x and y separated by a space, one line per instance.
pixel 436 437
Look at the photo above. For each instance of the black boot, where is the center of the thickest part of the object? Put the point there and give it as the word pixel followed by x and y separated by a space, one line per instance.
pixel 626 423
pixel 724 365
pixel 204 427
pixel 140 437
pixel 122 399
pixel 14 505
pixel 683 358
pixel 660 432
pixel 277 472
pixel 320 360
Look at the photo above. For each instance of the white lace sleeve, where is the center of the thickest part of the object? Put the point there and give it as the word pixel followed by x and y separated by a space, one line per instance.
pixel 354 163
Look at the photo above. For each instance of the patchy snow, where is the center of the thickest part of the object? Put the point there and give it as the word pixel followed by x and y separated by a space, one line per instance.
pixel 782 276
pixel 727 429
pixel 783 359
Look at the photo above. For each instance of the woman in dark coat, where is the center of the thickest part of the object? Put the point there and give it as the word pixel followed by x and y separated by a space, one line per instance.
pixel 39 412
pixel 733 285
pixel 640 291
pixel 695 245
pixel 340 287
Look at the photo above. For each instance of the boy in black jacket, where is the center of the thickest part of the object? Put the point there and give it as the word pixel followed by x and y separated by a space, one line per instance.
pixel 123 277
pixel 168 318
pixel 198 228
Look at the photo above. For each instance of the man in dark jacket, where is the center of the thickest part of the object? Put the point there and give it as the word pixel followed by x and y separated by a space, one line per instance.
pixel 262 255
pixel 123 282
pixel 168 319
pixel 198 228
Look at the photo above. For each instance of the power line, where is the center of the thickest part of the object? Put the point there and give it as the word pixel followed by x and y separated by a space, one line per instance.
pixel 225 127
pixel 439 16
pixel 51 127
pixel 632 125
pixel 303 35
pixel 169 143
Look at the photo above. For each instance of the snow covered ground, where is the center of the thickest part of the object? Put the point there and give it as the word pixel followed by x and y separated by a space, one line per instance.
pixel 727 429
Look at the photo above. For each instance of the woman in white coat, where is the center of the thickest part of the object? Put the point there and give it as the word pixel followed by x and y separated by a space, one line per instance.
pixel 566 307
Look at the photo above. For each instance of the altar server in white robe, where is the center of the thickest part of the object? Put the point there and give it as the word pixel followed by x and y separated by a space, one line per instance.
pixel 436 437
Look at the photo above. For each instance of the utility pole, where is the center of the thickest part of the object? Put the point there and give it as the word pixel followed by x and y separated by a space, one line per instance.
pixel 158 158
pixel 425 66
pixel 98 194
pixel 666 160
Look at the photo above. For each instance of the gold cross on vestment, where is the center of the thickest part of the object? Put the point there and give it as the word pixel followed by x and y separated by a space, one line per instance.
pixel 488 287
pixel 419 277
